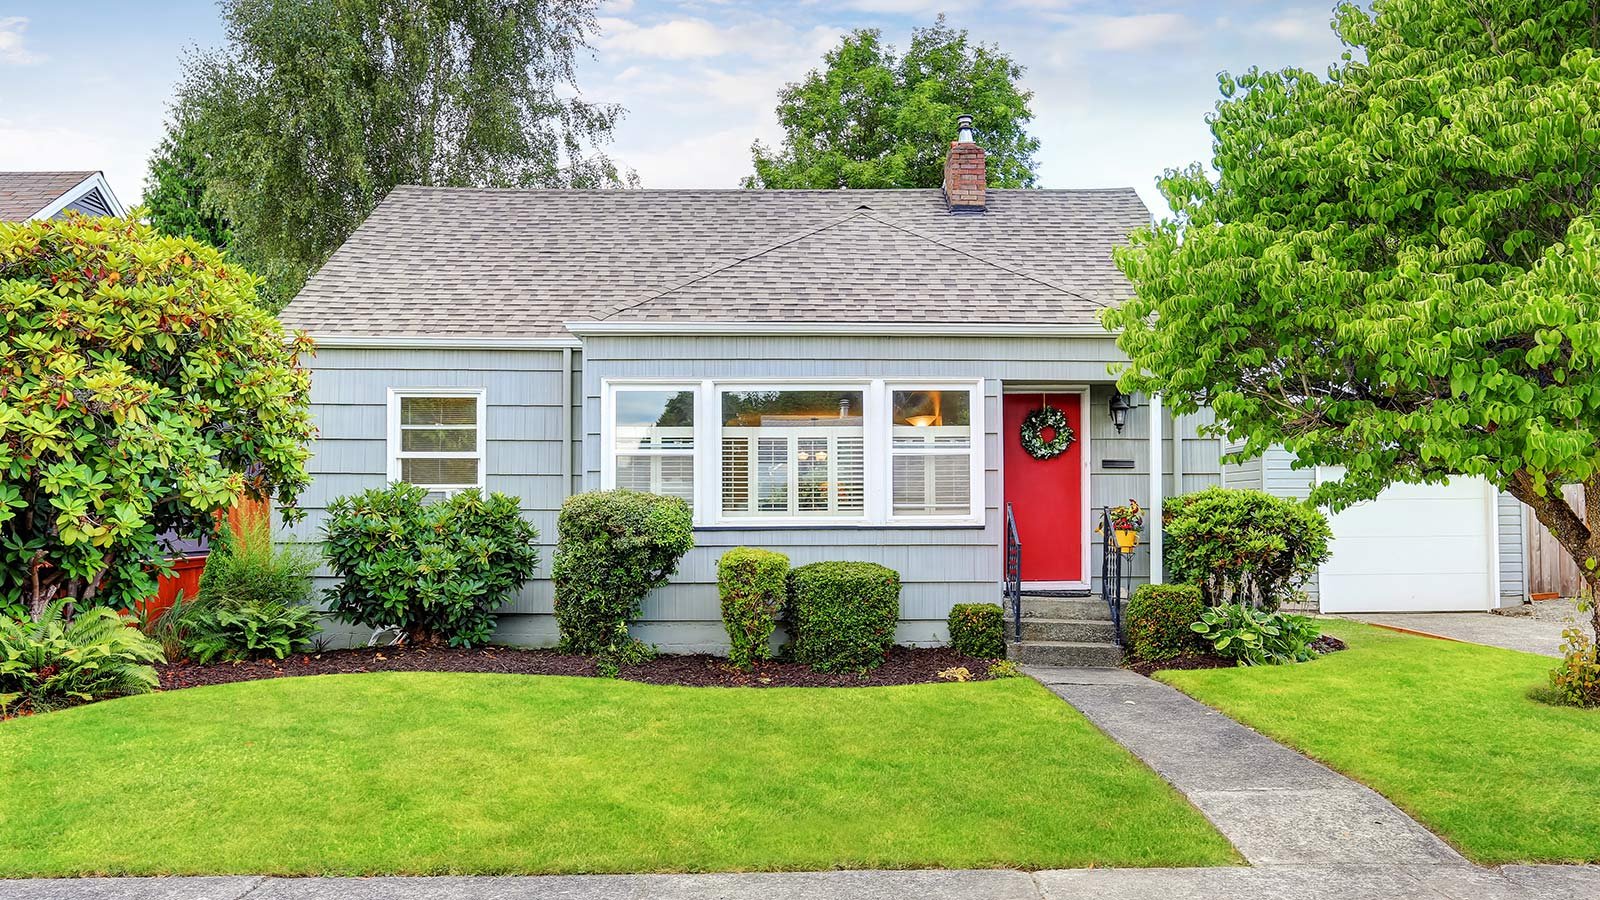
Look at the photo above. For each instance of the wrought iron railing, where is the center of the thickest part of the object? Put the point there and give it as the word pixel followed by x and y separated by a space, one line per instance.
pixel 1114 569
pixel 1013 586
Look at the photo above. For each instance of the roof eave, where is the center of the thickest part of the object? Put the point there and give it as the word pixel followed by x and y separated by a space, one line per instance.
pixel 871 329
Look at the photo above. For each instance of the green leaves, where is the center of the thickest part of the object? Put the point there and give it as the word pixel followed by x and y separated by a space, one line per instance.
pixel 435 571
pixel 139 381
pixel 872 118
pixel 1396 269
pixel 281 143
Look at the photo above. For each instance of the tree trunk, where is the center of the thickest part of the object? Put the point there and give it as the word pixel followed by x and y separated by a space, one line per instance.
pixel 1571 530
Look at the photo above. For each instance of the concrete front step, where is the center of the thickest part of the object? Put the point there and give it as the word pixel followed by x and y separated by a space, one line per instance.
pixel 1065 653
pixel 1087 631
pixel 1082 609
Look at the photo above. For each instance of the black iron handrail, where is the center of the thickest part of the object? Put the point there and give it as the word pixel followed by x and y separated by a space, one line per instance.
pixel 1112 565
pixel 1013 586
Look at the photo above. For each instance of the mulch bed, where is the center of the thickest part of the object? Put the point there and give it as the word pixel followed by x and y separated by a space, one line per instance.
pixel 1326 643
pixel 904 666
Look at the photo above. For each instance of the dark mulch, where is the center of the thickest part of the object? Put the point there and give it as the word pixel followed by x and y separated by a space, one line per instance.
pixel 904 666
pixel 1186 661
pixel 1326 643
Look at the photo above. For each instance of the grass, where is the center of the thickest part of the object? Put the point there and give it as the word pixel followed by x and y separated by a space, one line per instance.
pixel 424 773
pixel 1445 730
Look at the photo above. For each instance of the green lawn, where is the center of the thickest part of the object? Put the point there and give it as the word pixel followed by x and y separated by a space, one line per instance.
pixel 448 773
pixel 1445 730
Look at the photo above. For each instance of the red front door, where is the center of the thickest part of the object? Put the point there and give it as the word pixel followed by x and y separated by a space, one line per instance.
pixel 1046 495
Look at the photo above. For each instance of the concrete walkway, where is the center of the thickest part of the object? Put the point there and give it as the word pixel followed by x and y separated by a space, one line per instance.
pixel 1335 882
pixel 1529 635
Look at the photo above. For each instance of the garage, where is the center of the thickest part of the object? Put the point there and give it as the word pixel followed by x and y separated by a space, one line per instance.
pixel 1417 548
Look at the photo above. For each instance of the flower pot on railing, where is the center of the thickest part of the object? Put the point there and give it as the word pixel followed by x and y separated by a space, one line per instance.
pixel 1127 539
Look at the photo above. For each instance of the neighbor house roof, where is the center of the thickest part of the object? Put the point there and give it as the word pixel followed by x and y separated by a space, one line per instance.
pixel 484 262
pixel 28 195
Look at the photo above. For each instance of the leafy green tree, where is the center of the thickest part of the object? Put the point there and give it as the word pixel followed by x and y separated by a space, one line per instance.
pixel 871 118
pixel 175 192
pixel 1397 269
pixel 144 390
pixel 314 109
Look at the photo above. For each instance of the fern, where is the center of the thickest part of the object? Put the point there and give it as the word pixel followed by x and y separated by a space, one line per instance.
pixel 53 662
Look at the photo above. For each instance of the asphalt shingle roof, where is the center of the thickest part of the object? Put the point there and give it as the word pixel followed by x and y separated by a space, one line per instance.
pixel 464 261
pixel 24 193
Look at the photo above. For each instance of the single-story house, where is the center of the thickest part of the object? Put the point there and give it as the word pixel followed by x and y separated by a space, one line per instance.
pixel 25 196
pixel 837 374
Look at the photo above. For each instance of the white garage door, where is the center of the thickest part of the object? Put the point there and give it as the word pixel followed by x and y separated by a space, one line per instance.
pixel 1417 548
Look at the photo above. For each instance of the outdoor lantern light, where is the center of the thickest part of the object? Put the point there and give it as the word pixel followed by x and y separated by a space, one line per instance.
pixel 1119 409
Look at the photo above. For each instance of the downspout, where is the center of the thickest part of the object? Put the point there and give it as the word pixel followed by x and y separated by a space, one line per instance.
pixel 566 422
pixel 1153 514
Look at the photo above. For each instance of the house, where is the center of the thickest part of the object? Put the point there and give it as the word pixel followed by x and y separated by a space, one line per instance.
pixel 45 195
pixel 832 374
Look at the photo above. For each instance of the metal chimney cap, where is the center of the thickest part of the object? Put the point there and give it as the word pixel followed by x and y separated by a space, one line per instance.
pixel 964 129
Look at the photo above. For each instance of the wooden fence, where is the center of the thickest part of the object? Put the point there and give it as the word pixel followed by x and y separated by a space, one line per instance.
pixel 1550 569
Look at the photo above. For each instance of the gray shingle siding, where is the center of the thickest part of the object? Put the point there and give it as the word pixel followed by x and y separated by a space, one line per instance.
pixel 524 402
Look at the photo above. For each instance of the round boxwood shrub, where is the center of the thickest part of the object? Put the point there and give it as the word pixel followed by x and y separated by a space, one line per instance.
pixel 1242 546
pixel 754 585
pixel 435 571
pixel 843 614
pixel 1158 620
pixel 978 629
pixel 612 549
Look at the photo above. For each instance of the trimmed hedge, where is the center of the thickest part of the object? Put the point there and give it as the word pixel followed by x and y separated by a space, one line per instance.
pixel 613 548
pixel 1244 546
pixel 843 614
pixel 1158 620
pixel 978 629
pixel 754 585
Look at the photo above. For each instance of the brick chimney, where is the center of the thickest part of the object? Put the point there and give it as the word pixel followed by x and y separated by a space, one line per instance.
pixel 965 179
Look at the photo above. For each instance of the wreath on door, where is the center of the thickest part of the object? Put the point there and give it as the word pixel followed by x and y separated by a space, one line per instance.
pixel 1036 423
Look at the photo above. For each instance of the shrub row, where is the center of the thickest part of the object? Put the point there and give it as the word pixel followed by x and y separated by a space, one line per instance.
pixel 842 615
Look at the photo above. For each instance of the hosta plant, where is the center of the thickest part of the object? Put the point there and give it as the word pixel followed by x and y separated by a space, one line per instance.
pixel 1251 637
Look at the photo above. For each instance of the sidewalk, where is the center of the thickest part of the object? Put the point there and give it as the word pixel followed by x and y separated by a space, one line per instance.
pixel 1285 882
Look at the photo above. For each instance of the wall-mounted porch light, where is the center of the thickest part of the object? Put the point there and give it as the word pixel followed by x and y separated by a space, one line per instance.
pixel 1119 409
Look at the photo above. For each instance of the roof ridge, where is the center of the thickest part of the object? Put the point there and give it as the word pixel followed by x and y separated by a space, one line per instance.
pixel 784 241
pixel 973 254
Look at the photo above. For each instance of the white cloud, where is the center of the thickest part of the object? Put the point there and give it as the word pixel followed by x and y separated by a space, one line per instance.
pixel 692 38
pixel 907 7
pixel 1301 26
pixel 1138 32
pixel 13 49
pixel 615 7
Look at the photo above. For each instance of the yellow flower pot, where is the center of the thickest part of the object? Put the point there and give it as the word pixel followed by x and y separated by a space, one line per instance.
pixel 1127 539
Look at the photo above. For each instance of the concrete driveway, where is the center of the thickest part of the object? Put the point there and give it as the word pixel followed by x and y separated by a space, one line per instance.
pixel 1525 633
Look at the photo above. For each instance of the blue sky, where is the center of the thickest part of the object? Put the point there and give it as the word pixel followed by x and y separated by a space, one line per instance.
pixel 1121 88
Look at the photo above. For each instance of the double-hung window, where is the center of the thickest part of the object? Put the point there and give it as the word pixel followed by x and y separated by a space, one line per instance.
pixel 931 455
pixel 436 437
pixel 846 452
pixel 652 440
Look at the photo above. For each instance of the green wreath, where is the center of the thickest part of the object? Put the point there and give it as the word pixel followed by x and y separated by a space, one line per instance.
pixel 1033 426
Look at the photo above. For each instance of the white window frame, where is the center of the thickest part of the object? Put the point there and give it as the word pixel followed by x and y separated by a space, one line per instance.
pixel 877 440
pixel 608 430
pixel 395 454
